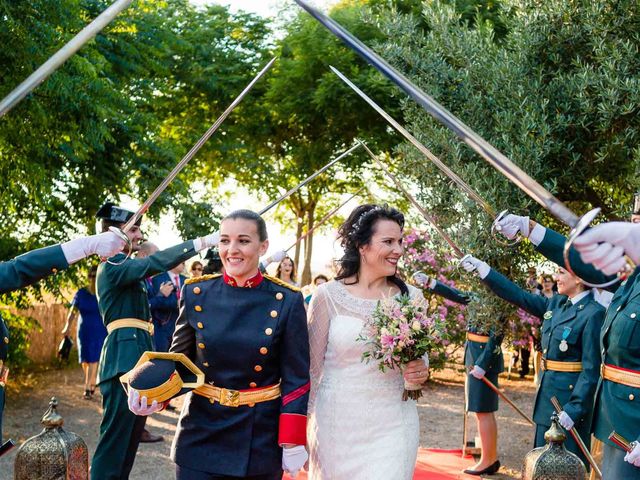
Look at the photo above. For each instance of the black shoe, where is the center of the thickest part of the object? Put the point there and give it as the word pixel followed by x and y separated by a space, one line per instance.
pixel 87 395
pixel 147 437
pixel 490 470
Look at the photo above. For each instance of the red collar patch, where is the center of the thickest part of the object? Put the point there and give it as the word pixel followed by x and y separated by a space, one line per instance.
pixel 250 283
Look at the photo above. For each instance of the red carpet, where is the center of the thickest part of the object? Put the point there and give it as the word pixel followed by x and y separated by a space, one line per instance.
pixel 433 464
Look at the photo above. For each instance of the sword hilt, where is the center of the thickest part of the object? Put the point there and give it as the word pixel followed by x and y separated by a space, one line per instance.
pixel 496 228
pixel 584 224
pixel 123 236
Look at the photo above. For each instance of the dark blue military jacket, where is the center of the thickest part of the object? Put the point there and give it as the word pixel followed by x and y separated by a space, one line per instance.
pixel 617 406
pixel 487 356
pixel 579 326
pixel 122 293
pixel 241 338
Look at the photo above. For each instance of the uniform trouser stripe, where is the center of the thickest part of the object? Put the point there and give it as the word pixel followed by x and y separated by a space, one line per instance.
pixel 120 432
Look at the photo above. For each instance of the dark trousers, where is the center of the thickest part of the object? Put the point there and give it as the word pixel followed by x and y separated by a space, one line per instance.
pixel 525 355
pixel 614 466
pixel 162 335
pixel 120 432
pixel 183 473
pixel 570 444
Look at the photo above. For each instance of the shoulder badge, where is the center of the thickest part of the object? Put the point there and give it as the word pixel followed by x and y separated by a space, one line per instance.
pixel 202 278
pixel 548 314
pixel 282 283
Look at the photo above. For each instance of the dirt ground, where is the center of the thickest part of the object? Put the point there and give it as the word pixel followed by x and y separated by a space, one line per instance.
pixel 440 414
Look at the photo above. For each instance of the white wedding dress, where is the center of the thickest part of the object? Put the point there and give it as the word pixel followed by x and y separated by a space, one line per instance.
pixel 359 427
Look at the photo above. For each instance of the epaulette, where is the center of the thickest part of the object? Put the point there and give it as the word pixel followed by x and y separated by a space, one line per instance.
pixel 202 278
pixel 282 283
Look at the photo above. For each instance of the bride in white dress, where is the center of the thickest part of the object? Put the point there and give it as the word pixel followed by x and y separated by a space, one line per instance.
pixel 359 427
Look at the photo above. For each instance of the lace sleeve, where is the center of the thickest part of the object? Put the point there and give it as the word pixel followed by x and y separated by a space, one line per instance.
pixel 318 322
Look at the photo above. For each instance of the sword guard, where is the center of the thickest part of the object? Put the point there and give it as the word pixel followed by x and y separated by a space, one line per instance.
pixel 583 224
pixel 495 228
pixel 127 240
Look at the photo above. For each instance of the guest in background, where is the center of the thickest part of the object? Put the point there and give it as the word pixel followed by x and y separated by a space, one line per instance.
pixel 287 271
pixel 165 312
pixel 195 269
pixel 91 331
pixel 548 283
pixel 317 281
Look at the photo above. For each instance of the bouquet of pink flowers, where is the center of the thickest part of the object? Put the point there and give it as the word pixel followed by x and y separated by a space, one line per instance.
pixel 399 331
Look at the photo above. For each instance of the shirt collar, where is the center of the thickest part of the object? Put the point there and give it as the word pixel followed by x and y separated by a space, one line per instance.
pixel 250 283
pixel 579 296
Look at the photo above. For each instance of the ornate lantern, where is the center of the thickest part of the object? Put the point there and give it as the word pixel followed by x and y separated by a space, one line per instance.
pixel 54 454
pixel 553 462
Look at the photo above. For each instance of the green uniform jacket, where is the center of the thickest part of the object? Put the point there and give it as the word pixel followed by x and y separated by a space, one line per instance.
pixel 25 270
pixel 617 406
pixel 122 293
pixel 579 325
pixel 487 356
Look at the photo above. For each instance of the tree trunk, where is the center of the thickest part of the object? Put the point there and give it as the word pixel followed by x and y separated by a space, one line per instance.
pixel 296 256
pixel 308 248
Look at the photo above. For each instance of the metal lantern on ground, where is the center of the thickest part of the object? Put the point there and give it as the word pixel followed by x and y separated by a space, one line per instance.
pixel 553 461
pixel 54 454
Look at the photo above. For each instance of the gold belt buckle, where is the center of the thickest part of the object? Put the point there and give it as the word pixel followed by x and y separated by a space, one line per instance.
pixel 229 398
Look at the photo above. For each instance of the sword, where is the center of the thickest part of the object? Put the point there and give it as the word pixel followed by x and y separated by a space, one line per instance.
pixel 324 219
pixel 62 55
pixel 503 396
pixel 576 436
pixel 176 170
pixel 308 179
pixel 471 193
pixel 458 252
pixel 622 442
pixel 494 157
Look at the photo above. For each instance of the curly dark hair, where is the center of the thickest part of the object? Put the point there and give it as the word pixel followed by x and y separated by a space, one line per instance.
pixel 357 231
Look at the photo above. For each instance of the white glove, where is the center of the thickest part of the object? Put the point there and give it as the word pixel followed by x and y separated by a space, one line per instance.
pixel 207 241
pixel 633 457
pixel 510 225
pixel 565 420
pixel 293 459
pixel 618 239
pixel 423 280
pixel 278 256
pixel 105 245
pixel 139 405
pixel 477 372
pixel 471 263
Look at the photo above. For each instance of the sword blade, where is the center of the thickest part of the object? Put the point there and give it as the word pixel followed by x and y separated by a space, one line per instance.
pixel 324 219
pixel 176 170
pixel 498 160
pixel 504 397
pixel 62 55
pixel 458 252
pixel 576 436
pixel 416 143
pixel 308 179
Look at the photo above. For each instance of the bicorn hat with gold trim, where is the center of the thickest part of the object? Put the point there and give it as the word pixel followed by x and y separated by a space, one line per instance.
pixel 161 376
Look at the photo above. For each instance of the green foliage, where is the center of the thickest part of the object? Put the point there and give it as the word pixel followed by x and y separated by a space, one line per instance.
pixel 558 95
pixel 20 328
pixel 118 115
